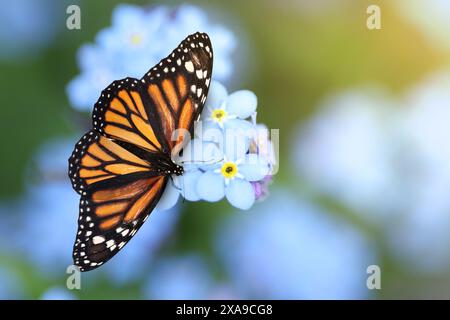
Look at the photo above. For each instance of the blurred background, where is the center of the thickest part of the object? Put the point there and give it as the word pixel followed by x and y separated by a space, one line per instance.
pixel 364 165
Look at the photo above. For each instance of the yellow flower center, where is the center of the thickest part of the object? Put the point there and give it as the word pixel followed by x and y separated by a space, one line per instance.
pixel 229 170
pixel 219 115
pixel 136 39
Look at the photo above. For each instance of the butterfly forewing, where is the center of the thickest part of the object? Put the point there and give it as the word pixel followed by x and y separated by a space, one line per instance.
pixel 97 158
pixel 115 166
pixel 179 84
pixel 123 112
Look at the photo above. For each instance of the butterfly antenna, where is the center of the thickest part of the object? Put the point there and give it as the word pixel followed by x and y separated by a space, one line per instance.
pixel 203 161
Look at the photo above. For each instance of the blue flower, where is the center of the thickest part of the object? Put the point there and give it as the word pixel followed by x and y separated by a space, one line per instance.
pixel 345 151
pixel 420 237
pixel 223 111
pixel 197 154
pixel 261 144
pixel 58 293
pixel 367 136
pixel 230 156
pixel 48 212
pixel 137 39
pixel 27 26
pixel 185 277
pixel 11 286
pixel 232 178
pixel 243 161
pixel 289 249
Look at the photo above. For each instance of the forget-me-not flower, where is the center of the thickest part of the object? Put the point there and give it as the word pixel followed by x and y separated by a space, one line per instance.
pixel 185 277
pixel 232 178
pixel 345 151
pixel 235 169
pixel 288 249
pixel 11 285
pixel 223 111
pixel 391 165
pixel 229 157
pixel 226 121
pixel 27 26
pixel 261 144
pixel 58 293
pixel 420 237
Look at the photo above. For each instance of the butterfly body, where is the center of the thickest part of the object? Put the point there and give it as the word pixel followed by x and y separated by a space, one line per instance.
pixel 122 166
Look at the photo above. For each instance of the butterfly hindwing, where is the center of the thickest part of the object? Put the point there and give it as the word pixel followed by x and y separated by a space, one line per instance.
pixel 111 214
pixel 178 85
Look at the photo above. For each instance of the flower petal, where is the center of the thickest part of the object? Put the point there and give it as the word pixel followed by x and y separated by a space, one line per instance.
pixel 188 183
pixel 240 194
pixel 217 94
pixel 200 152
pixel 240 124
pixel 190 16
pixel 242 103
pixel 236 139
pixel 169 197
pixel 125 14
pixel 209 130
pixel 211 186
pixel 254 167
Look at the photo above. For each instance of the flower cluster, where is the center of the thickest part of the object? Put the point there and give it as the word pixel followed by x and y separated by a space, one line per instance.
pixel 137 39
pixel 230 156
pixel 297 249
pixel 389 163
pixel 22 36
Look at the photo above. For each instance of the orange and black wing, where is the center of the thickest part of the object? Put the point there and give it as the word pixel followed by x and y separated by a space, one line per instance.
pixel 96 158
pixel 118 192
pixel 178 86
pixel 125 113
pixel 114 166
pixel 111 214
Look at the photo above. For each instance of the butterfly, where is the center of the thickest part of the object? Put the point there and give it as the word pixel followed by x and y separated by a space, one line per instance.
pixel 122 165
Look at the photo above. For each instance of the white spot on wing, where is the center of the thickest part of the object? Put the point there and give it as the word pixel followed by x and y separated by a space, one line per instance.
pixel 189 66
pixel 98 239
pixel 119 229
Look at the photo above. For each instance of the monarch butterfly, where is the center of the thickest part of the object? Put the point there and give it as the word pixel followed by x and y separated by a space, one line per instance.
pixel 121 167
